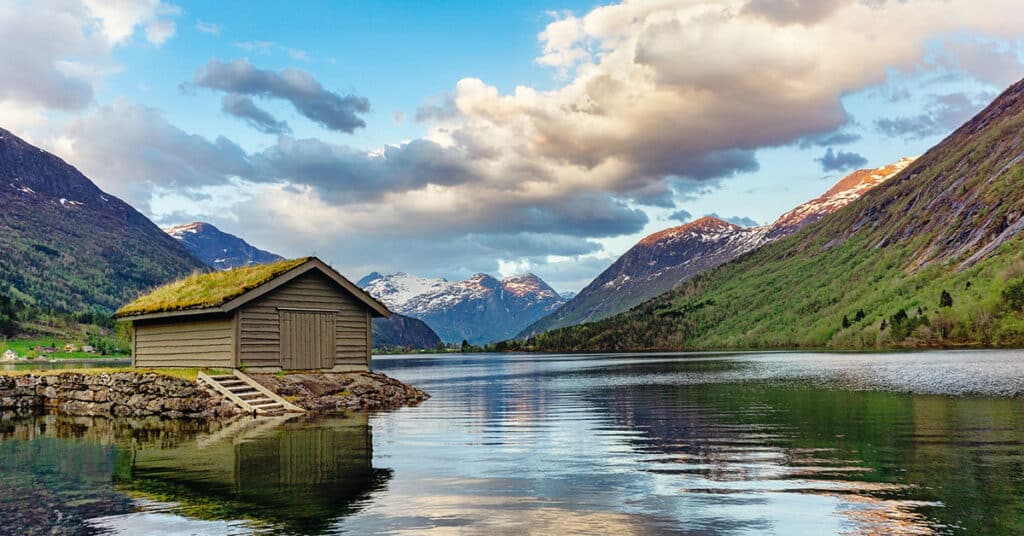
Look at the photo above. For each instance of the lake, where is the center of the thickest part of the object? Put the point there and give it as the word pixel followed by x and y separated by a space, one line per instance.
pixel 711 443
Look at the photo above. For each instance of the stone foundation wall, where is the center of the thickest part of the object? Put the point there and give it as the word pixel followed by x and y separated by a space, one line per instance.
pixel 121 394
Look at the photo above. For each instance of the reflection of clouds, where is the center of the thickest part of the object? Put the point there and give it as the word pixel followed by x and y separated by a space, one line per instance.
pixel 881 516
pixel 444 514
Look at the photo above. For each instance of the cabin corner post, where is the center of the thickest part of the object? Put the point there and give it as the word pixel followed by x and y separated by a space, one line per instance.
pixel 135 341
pixel 369 340
pixel 237 335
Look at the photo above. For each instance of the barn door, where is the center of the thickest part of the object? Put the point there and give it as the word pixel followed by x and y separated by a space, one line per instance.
pixel 307 339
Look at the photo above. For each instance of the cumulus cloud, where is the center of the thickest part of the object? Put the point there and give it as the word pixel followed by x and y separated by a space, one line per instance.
pixel 840 160
pixel 681 216
pixel 119 19
pixel 244 108
pixel 681 93
pixel 795 11
pixel 341 174
pixel 742 221
pixel 942 115
pixel 301 89
pixel 55 52
pixel 132 150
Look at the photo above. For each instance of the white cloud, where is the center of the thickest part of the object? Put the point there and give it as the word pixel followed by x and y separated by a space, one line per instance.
pixel 131 150
pixel 56 52
pixel 208 27
pixel 159 31
pixel 119 19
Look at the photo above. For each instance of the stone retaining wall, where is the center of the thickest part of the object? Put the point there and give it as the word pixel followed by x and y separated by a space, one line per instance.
pixel 119 394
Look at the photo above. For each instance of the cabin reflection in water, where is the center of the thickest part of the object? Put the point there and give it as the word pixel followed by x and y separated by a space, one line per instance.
pixel 299 475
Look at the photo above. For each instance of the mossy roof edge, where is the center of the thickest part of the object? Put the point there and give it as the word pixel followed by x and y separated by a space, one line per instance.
pixel 207 290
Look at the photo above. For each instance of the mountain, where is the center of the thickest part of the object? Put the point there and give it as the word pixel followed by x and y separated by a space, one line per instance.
pixel 929 257
pixel 480 309
pixel 396 290
pixel 662 260
pixel 399 332
pixel 68 245
pixel 219 250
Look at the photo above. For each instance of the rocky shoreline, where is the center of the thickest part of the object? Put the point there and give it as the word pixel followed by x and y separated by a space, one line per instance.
pixel 332 393
pixel 151 394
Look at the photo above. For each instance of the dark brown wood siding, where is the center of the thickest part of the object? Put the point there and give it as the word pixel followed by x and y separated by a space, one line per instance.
pixel 260 321
pixel 192 343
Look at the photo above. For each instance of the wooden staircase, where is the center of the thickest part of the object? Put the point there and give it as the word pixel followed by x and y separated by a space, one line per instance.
pixel 248 394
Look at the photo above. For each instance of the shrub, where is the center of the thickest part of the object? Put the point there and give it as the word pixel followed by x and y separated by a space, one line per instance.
pixel 1013 295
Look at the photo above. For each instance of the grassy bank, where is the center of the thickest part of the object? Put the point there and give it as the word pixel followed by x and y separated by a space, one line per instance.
pixel 181 373
pixel 27 348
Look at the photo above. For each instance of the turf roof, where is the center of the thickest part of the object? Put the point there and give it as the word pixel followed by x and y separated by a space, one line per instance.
pixel 205 290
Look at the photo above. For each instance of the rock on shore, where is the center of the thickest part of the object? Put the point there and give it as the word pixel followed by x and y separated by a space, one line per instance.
pixel 341 392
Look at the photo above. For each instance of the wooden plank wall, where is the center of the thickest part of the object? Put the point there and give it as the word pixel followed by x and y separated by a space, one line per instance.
pixel 307 339
pixel 192 343
pixel 260 327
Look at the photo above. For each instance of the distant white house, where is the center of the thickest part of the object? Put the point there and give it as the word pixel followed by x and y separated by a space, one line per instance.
pixel 9 355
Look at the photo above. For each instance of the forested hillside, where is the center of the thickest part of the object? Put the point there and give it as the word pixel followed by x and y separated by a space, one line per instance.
pixel 67 245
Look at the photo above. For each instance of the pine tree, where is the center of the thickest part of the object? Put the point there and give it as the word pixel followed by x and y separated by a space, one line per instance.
pixel 846 322
pixel 859 316
pixel 465 346
pixel 945 300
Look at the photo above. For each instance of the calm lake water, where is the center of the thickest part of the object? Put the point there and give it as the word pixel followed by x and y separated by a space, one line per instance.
pixel 784 443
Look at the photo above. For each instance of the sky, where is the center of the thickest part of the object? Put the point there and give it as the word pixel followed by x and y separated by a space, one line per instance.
pixel 446 139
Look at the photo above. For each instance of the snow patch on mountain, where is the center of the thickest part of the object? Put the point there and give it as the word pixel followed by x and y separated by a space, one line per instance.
pixel 396 290
pixel 480 309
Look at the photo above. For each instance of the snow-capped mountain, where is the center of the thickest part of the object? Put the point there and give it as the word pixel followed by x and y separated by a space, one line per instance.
pixel 846 191
pixel 480 309
pixel 397 289
pixel 219 250
pixel 664 259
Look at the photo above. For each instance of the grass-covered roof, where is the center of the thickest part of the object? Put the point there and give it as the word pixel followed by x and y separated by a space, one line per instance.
pixel 205 290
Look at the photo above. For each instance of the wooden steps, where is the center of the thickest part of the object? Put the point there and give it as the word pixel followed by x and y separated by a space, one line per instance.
pixel 248 394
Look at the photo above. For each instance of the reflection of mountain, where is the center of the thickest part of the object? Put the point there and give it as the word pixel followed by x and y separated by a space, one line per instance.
pixel 299 476
pixel 901 464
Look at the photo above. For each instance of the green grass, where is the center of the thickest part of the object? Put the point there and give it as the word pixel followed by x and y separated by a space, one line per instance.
pixel 189 374
pixel 202 290
pixel 26 347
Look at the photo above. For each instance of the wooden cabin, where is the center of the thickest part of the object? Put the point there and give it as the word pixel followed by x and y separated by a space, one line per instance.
pixel 290 315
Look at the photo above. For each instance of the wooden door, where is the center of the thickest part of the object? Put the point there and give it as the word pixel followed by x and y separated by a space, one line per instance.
pixel 307 339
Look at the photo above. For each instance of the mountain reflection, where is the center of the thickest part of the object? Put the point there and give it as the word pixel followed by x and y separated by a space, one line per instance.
pixel 895 464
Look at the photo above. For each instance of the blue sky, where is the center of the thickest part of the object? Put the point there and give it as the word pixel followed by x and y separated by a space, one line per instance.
pixel 449 139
